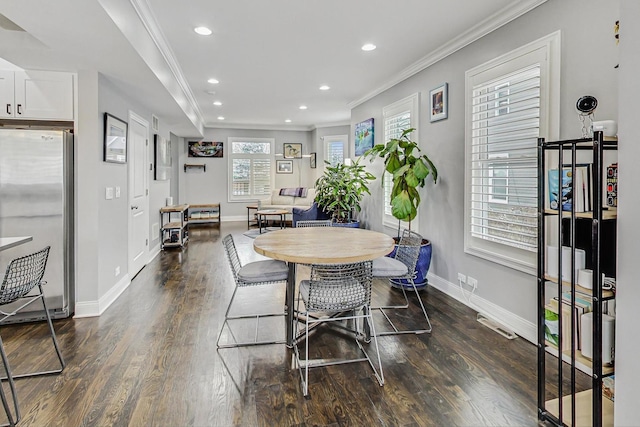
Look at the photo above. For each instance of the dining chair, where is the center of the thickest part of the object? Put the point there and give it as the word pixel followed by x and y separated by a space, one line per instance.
pixel 313 223
pixel 23 283
pixel 257 273
pixel 336 292
pixel 402 266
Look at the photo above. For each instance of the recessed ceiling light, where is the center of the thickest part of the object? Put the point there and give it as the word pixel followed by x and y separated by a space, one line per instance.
pixel 369 46
pixel 213 81
pixel 303 107
pixel 220 118
pixel 217 103
pixel 203 31
pixel 288 121
pixel 324 87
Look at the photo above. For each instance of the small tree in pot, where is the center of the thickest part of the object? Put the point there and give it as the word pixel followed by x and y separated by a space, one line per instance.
pixel 340 189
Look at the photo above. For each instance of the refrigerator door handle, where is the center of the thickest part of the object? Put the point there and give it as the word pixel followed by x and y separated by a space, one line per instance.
pixel 133 207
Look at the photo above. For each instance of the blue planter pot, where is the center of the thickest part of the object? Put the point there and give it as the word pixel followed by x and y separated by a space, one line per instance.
pixel 422 268
pixel 354 224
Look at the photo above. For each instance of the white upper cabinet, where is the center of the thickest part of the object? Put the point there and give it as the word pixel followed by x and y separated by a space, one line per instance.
pixel 36 95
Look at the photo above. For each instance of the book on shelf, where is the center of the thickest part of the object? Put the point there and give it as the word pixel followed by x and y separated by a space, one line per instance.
pixel 608 387
pixel 571 190
pixel 551 326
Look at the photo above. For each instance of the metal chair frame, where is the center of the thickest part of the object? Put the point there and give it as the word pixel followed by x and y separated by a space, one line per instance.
pixel 22 278
pixel 236 265
pixel 407 252
pixel 335 289
pixel 314 223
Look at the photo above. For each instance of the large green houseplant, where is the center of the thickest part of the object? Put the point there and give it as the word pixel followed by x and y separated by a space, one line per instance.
pixel 409 170
pixel 340 189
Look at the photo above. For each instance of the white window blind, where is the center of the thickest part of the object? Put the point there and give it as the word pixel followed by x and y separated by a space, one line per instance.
pixel 510 103
pixel 506 125
pixel 251 172
pixel 335 150
pixel 399 116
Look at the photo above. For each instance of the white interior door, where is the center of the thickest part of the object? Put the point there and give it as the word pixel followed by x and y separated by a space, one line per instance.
pixel 138 193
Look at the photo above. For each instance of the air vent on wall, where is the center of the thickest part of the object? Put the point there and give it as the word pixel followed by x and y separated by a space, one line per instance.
pixel 8 24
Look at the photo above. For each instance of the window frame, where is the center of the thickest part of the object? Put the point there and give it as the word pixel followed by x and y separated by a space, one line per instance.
pixel 411 104
pixel 231 157
pixel 547 47
pixel 328 140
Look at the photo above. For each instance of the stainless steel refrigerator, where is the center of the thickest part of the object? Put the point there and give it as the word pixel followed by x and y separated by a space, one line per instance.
pixel 36 199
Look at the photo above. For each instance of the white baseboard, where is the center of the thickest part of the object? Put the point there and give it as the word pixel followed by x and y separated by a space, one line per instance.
pixel 96 308
pixel 517 324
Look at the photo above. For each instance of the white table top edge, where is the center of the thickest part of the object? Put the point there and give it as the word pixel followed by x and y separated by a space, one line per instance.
pixel 10 242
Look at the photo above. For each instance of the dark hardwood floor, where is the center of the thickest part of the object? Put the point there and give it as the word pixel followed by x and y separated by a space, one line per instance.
pixel 151 360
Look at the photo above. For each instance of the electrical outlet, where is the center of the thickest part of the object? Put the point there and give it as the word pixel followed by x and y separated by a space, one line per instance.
pixel 472 282
pixel 462 278
pixel 117 271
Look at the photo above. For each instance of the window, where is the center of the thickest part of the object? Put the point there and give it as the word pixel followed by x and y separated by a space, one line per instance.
pixel 251 174
pixel 397 117
pixel 335 149
pixel 510 104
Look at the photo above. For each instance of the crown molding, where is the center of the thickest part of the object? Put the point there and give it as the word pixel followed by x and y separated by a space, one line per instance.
pixel 257 127
pixel 332 124
pixel 476 32
pixel 147 17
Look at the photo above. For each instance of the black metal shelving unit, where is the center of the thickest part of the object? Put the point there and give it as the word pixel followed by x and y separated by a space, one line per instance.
pixel 572 407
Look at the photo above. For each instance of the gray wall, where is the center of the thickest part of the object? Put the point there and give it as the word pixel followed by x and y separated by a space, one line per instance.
pixel 442 211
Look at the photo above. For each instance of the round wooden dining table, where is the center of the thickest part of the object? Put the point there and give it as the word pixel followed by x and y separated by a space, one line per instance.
pixel 319 245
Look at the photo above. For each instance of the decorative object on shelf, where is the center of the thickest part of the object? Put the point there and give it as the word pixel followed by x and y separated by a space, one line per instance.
pixel 292 150
pixel 284 166
pixel 612 185
pixel 195 166
pixel 439 102
pixel 161 157
pixel 586 105
pixel 341 188
pixel 363 137
pixel 312 160
pixel 115 139
pixel 205 149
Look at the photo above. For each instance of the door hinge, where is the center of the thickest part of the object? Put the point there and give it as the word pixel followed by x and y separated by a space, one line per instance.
pixel 147 191
pixel 146 242
pixel 146 142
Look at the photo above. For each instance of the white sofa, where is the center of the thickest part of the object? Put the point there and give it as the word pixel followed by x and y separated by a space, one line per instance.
pixel 276 201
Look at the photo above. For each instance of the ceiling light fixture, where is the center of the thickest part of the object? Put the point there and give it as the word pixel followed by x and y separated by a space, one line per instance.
pixel 368 47
pixel 220 118
pixel 203 31
pixel 217 103
pixel 288 121
pixel 213 81
pixel 324 87
pixel 303 107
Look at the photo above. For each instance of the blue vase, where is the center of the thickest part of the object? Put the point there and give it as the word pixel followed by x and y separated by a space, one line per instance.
pixel 422 268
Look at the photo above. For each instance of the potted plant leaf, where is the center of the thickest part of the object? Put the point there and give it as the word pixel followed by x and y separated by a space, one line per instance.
pixel 409 170
pixel 340 190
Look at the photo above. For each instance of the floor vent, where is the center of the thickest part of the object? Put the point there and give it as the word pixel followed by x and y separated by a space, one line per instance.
pixel 492 324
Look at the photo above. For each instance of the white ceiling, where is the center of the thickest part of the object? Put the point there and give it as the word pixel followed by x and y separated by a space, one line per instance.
pixel 269 56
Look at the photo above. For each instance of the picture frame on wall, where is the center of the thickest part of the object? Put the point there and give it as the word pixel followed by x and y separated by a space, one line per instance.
pixel 312 160
pixel 291 150
pixel 284 166
pixel 439 102
pixel 115 139
pixel 363 136
pixel 161 157
pixel 206 149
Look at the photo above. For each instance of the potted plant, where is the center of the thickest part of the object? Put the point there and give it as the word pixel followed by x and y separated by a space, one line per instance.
pixel 409 170
pixel 340 189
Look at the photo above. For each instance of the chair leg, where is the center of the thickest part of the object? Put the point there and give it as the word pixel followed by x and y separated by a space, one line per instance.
pixel 405 306
pixel 12 386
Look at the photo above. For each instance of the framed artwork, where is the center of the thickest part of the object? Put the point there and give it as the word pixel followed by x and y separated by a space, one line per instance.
pixel 438 102
pixel 205 149
pixel 161 157
pixel 364 137
pixel 115 139
pixel 312 160
pixel 284 166
pixel 292 150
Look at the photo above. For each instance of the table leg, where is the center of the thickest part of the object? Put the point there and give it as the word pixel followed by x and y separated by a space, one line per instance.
pixel 260 223
pixel 290 301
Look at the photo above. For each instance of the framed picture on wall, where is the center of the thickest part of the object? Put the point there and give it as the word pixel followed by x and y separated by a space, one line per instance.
pixel 115 139
pixel 363 136
pixel 284 166
pixel 162 158
pixel 439 103
pixel 206 149
pixel 312 160
pixel 292 150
